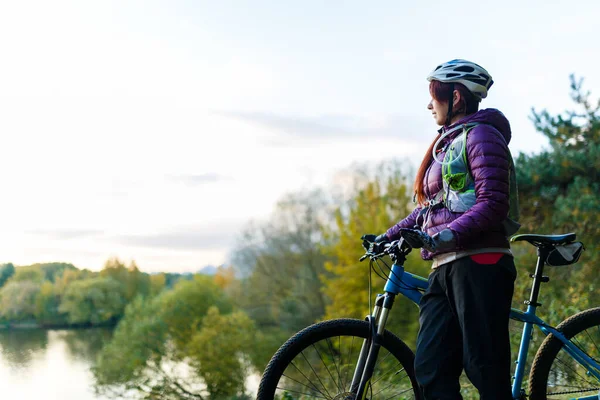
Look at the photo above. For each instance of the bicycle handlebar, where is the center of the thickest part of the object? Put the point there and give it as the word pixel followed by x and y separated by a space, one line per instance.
pixel 393 248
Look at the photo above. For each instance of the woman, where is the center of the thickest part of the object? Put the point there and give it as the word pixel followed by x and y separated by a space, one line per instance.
pixel 461 223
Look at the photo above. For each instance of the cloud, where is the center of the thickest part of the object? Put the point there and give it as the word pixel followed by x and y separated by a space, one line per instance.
pixel 65 234
pixel 332 126
pixel 201 179
pixel 193 239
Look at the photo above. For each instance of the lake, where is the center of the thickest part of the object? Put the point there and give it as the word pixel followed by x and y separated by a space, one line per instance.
pixel 55 364
pixel 49 364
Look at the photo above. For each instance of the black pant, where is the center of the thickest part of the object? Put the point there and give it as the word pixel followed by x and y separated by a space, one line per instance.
pixel 464 323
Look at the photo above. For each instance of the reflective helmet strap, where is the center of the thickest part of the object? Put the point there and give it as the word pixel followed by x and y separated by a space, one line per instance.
pixel 450 101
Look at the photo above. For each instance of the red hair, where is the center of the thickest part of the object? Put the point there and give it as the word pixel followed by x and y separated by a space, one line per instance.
pixel 468 104
pixel 442 92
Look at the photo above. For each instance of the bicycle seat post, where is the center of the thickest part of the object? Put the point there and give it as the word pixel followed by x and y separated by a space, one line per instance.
pixel 538 275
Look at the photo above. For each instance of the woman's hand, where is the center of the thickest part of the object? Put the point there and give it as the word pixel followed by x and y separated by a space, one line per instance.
pixel 441 241
pixel 374 243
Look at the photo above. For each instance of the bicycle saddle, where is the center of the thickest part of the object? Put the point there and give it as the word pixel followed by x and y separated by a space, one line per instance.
pixel 539 240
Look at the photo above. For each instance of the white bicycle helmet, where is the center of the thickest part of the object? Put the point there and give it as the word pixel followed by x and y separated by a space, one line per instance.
pixel 473 76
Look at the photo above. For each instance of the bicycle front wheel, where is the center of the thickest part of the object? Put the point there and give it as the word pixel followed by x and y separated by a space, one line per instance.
pixel 319 362
pixel 554 373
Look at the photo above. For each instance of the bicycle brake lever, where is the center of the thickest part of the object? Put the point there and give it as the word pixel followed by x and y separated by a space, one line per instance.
pixel 391 246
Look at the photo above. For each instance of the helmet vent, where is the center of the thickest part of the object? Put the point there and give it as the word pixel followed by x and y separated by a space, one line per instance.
pixel 464 68
pixel 474 78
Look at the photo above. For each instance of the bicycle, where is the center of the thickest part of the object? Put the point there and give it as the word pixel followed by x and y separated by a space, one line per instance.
pixel 349 359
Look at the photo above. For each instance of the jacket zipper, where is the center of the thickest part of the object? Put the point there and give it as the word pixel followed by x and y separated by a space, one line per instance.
pixel 428 194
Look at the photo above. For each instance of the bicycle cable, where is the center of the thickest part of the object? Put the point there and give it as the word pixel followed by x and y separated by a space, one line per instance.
pixel 374 259
pixel 399 279
pixel 371 321
pixel 383 276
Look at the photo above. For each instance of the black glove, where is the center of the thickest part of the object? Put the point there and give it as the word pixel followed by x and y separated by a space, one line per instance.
pixel 441 241
pixel 374 243
pixel 416 238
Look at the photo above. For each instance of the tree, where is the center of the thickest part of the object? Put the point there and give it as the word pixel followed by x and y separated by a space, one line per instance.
pixel 137 283
pixel 52 270
pixel 378 202
pixel 138 343
pixel 6 271
pixel 68 276
pixel 134 281
pixel 47 305
pixel 282 262
pixel 150 348
pixel 28 273
pixel 219 352
pixel 225 276
pixel 157 283
pixel 558 190
pixel 183 308
pixel 94 300
pixel 17 300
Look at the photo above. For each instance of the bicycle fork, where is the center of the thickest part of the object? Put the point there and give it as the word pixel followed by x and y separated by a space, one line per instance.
pixel 370 347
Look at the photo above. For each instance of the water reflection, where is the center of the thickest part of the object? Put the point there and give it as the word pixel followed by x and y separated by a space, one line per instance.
pixel 85 344
pixel 19 347
pixel 56 364
pixel 36 364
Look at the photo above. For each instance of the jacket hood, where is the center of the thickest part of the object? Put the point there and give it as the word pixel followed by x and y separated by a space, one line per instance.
pixel 489 116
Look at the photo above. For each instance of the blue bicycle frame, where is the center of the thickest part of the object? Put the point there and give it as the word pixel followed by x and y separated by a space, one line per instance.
pixel 411 286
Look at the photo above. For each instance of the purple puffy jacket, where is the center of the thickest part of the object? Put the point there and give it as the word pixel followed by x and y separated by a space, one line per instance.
pixel 487 154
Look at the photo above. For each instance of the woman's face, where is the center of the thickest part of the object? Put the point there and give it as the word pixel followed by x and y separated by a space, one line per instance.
pixel 439 110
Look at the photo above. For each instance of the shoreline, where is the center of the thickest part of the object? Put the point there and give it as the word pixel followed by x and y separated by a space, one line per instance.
pixel 9 326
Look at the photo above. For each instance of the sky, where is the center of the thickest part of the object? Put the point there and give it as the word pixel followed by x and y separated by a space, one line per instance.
pixel 155 131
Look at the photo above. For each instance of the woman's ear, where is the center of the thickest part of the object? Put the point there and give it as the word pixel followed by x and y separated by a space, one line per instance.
pixel 456 98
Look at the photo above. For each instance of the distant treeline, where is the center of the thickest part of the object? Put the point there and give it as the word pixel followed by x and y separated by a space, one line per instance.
pixel 59 294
